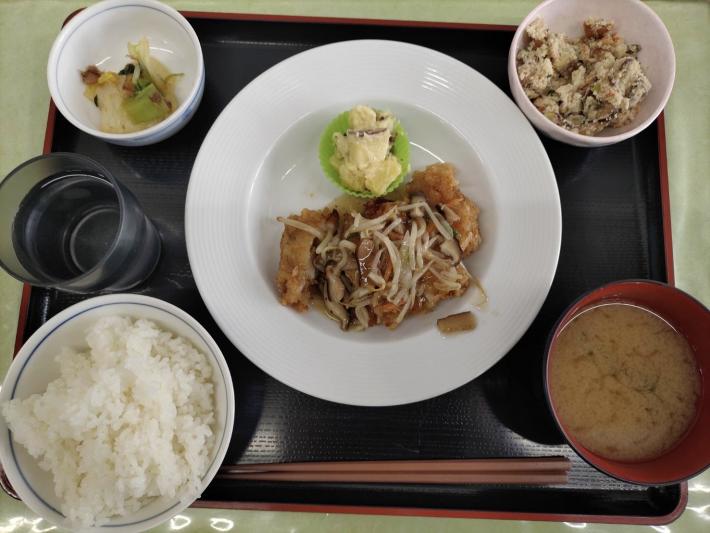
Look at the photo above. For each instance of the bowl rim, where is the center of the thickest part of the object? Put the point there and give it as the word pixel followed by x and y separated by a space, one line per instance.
pixel 586 140
pixel 10 465
pixel 89 12
pixel 548 400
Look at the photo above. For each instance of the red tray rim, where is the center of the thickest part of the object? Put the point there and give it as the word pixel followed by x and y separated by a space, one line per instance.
pixel 409 511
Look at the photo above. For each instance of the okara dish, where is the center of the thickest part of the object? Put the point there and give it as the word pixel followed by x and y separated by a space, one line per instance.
pixel 584 85
pixel 137 97
pixel 386 260
pixel 129 420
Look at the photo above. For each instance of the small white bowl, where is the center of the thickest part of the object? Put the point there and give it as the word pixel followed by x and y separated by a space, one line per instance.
pixel 99 35
pixel 636 23
pixel 34 367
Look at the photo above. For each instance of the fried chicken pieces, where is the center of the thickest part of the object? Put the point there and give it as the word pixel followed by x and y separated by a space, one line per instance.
pixel 440 188
pixel 296 271
pixel 422 239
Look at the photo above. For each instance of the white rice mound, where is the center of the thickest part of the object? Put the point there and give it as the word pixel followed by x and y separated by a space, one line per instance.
pixel 128 421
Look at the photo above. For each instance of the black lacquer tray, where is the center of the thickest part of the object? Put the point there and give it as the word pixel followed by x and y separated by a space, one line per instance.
pixel 616 225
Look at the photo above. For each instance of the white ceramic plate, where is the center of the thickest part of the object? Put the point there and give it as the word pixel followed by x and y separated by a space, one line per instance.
pixel 260 161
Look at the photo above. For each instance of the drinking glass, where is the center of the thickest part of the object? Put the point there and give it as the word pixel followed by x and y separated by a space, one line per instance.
pixel 67 223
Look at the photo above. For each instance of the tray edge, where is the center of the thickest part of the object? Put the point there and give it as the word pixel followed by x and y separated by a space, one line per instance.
pixel 453 513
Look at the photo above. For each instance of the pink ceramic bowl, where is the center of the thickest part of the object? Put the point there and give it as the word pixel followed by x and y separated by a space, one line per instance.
pixel 636 23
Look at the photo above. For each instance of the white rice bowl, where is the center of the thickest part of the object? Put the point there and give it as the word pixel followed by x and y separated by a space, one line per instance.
pixel 117 421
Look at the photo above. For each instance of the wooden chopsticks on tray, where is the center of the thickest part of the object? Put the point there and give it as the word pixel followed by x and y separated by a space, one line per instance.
pixel 524 470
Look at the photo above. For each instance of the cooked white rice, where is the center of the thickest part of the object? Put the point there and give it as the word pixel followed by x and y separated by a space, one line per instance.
pixel 129 420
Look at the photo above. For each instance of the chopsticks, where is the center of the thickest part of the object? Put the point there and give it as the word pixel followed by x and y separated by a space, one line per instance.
pixel 527 470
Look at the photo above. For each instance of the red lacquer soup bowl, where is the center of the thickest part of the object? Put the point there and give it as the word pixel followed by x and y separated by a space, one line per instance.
pixel 691 455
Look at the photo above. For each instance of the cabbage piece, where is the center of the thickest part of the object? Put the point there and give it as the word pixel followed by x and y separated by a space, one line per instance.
pixel 111 101
pixel 148 104
pixel 150 67
pixel 154 71
pixel 114 119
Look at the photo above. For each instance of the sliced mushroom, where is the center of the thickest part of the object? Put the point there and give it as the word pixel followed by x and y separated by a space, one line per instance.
pixel 336 288
pixel 385 266
pixel 345 220
pixel 338 313
pixel 334 310
pixel 459 322
pixel 353 276
pixel 318 263
pixel 364 133
pixel 350 264
pixel 332 222
pixel 363 316
pixel 347 282
pixel 450 248
pixel 417 212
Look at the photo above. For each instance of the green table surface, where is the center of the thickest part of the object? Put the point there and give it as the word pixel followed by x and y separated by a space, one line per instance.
pixel 27 30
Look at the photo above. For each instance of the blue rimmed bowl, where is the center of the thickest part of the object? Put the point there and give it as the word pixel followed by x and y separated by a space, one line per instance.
pixel 99 35
pixel 34 367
